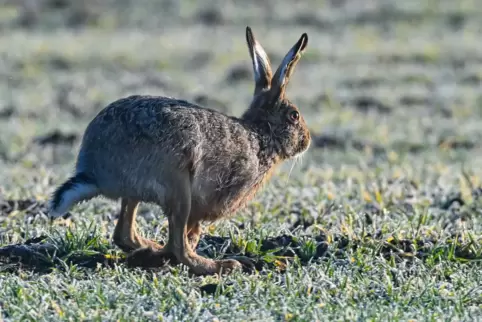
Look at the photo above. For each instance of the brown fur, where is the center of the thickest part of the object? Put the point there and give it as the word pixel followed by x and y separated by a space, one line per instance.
pixel 196 163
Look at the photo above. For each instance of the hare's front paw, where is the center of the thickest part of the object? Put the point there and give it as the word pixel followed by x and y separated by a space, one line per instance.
pixel 228 266
pixel 149 257
pixel 202 266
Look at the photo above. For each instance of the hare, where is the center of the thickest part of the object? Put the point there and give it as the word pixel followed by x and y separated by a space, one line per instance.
pixel 195 163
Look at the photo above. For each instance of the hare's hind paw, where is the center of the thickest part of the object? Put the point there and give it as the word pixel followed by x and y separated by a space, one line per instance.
pixel 132 244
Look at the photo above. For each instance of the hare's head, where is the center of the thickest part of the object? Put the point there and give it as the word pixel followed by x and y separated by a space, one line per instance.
pixel 270 108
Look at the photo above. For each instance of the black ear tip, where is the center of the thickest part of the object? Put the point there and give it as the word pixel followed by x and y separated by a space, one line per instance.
pixel 249 34
pixel 304 40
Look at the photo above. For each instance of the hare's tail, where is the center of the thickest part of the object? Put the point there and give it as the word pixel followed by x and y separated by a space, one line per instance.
pixel 78 188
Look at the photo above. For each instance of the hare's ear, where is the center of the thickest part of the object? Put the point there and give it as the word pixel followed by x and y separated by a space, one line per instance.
pixel 261 64
pixel 284 71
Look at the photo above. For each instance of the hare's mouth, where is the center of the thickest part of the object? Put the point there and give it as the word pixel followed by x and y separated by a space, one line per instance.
pixel 301 153
pixel 298 155
pixel 304 145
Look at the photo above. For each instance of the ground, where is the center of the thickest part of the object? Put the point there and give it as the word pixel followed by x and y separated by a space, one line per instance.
pixel 380 220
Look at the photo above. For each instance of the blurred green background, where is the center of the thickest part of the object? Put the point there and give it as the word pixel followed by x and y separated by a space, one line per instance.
pixel 389 76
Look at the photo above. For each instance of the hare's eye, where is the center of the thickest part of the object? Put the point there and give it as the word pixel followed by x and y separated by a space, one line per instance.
pixel 294 115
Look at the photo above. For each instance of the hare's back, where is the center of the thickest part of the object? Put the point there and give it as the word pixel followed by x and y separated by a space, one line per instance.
pixel 152 120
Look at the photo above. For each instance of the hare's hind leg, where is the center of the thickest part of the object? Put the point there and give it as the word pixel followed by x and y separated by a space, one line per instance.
pixel 126 236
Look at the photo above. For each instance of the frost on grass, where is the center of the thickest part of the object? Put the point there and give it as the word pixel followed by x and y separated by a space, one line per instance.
pixel 88 249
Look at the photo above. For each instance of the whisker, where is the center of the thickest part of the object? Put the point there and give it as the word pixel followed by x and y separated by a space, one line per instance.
pixel 293 162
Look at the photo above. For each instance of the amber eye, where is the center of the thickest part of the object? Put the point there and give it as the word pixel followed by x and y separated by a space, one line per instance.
pixel 294 116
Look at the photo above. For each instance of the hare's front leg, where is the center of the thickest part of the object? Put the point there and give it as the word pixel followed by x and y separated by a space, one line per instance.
pixel 182 244
pixel 194 232
pixel 183 236
pixel 126 236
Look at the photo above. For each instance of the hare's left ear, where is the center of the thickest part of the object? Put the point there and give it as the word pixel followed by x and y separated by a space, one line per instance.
pixel 261 64
pixel 285 69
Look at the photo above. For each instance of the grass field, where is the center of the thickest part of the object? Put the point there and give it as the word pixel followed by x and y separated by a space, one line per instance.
pixel 381 221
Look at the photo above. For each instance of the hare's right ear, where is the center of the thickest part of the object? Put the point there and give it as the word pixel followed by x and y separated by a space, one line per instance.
pixel 284 71
pixel 261 64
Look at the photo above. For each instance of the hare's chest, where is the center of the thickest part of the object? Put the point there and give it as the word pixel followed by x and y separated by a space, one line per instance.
pixel 220 190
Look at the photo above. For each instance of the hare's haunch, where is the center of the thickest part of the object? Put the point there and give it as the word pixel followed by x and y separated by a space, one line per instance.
pixel 194 162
